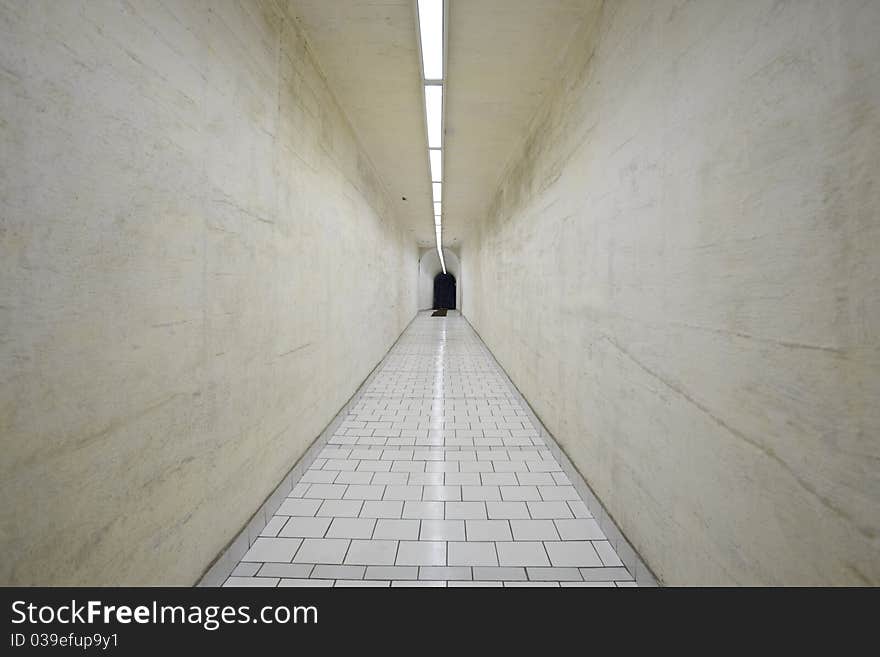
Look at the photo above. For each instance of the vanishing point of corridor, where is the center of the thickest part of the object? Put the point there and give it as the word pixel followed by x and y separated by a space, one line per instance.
pixel 435 477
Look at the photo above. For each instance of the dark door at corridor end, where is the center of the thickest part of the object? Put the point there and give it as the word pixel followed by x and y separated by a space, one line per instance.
pixel 444 291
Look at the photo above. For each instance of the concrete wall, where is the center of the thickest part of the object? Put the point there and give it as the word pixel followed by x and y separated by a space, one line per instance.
pixel 681 272
pixel 429 267
pixel 191 243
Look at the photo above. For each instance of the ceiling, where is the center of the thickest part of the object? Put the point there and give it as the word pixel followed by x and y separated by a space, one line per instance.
pixel 502 56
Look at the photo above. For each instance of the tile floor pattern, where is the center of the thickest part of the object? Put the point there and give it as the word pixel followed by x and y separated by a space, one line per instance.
pixel 436 477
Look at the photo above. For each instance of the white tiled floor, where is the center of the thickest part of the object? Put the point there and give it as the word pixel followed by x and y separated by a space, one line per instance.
pixel 435 477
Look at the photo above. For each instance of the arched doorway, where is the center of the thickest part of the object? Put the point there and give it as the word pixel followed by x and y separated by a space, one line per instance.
pixel 444 291
pixel 429 267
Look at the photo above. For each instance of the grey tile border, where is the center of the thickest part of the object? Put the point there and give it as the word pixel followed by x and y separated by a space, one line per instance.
pixel 627 553
pixel 221 568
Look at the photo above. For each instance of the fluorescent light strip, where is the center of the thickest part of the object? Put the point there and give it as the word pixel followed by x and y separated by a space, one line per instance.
pixel 434 113
pixel 431 30
pixel 440 253
pixel 436 156
pixel 431 16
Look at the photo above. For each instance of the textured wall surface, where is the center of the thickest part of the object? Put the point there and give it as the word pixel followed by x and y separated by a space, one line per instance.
pixel 192 246
pixel 681 272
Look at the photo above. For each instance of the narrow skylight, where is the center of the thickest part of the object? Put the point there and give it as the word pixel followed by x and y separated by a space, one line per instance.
pixel 436 165
pixel 437 209
pixel 437 188
pixel 431 30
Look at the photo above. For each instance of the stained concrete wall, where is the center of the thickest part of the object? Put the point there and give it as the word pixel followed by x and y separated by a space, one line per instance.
pixel 429 267
pixel 191 243
pixel 681 272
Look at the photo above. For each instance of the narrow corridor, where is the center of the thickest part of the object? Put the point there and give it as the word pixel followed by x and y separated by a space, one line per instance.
pixel 223 224
pixel 436 476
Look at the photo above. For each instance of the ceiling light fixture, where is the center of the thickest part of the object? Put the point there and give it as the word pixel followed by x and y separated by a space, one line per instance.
pixel 440 253
pixel 434 114
pixel 431 30
pixel 436 156
pixel 431 15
